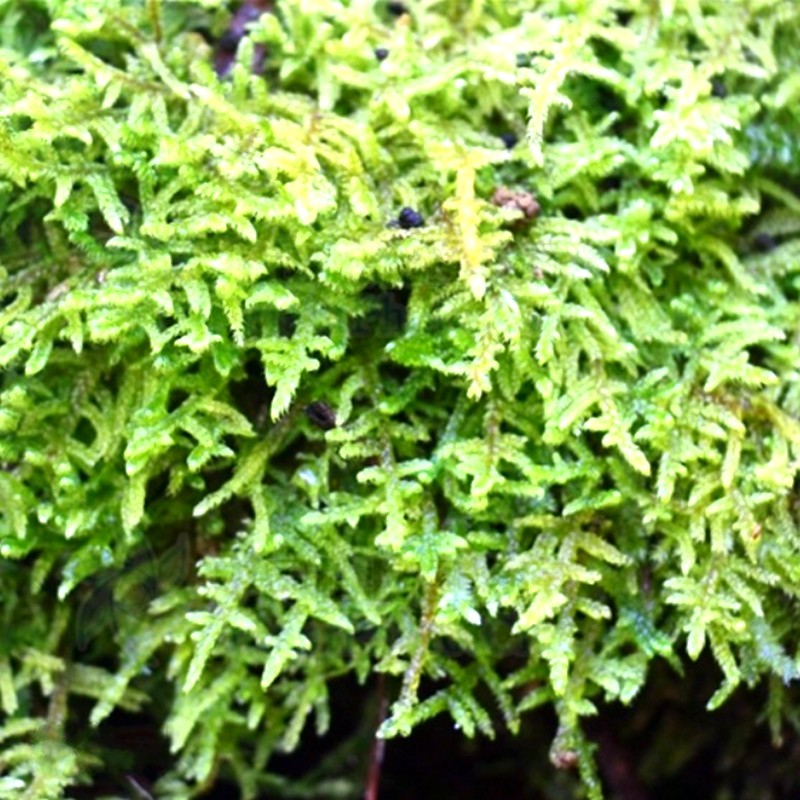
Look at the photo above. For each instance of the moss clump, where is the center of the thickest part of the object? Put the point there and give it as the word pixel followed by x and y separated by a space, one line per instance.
pixel 539 450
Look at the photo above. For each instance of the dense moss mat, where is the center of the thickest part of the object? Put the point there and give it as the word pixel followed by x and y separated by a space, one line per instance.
pixel 444 347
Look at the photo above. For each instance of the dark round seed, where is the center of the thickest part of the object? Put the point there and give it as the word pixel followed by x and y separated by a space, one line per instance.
pixel 381 53
pixel 396 9
pixel 508 139
pixel 408 218
pixel 718 88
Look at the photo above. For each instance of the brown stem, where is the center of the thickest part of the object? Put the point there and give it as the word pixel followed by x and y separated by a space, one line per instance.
pixel 378 746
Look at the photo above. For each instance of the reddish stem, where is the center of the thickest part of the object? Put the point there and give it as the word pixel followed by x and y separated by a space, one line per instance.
pixel 378 747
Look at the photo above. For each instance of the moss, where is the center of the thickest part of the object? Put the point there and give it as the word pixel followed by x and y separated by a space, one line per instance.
pixel 288 396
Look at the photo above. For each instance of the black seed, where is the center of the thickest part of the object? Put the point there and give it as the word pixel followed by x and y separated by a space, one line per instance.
pixel 381 53
pixel 508 139
pixel 408 218
pixel 718 88
pixel 322 415
pixel 396 9
pixel 763 242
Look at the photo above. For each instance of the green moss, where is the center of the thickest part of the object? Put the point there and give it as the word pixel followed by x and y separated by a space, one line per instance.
pixel 565 442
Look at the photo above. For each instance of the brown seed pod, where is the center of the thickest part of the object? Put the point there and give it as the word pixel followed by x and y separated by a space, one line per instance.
pixel 516 201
